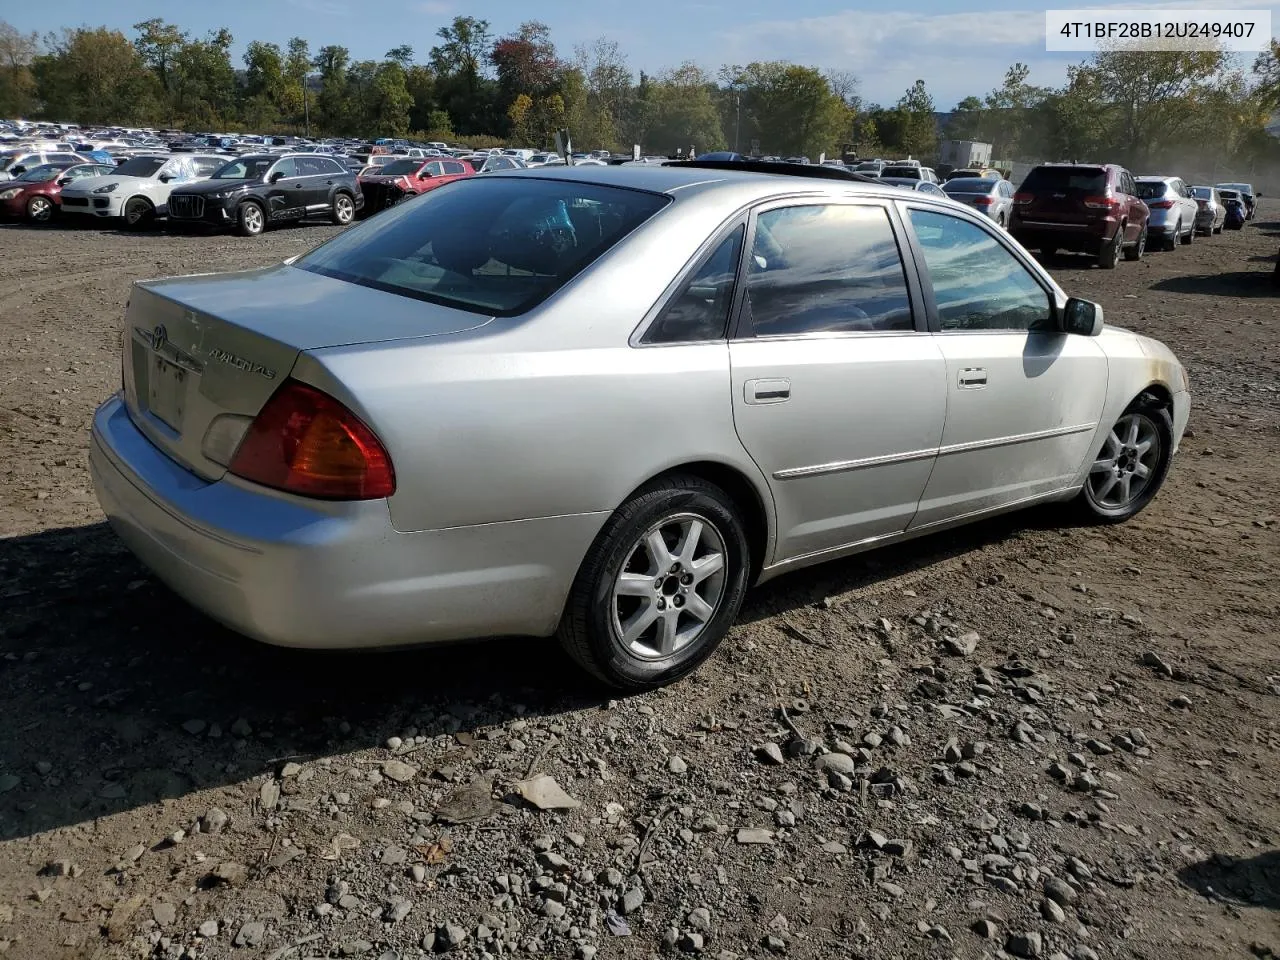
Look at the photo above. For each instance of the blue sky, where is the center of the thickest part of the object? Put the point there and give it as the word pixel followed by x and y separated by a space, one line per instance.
pixel 956 48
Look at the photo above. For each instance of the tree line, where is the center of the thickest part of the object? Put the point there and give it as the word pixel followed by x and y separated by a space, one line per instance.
pixel 1135 107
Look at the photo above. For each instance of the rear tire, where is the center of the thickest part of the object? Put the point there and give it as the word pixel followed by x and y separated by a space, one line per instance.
pixel 1109 255
pixel 660 587
pixel 1116 488
pixel 1139 247
pixel 344 210
pixel 251 219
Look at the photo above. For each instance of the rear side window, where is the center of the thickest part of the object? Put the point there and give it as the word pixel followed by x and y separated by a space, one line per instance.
pixel 489 245
pixel 911 172
pixel 1150 191
pixel 330 166
pixel 969 185
pixel 826 269
pixel 452 167
pixel 1083 181
pixel 701 310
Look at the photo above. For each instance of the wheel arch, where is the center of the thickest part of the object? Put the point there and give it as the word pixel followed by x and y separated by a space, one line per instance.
pixel 753 503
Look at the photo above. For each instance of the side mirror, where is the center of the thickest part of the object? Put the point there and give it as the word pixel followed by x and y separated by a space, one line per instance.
pixel 18 169
pixel 165 177
pixel 1082 317
pixel 276 177
pixel 424 176
pixel 63 181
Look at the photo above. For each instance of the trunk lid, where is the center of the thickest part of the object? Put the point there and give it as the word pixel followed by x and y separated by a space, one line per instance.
pixel 1058 194
pixel 216 347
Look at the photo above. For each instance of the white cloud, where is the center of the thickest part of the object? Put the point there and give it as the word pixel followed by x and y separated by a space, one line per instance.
pixel 436 8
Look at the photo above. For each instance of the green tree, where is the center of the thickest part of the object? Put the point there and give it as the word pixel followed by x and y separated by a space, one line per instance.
pixel 204 82
pixel 968 120
pixel 607 81
pixel 331 109
pixel 295 97
pixel 402 55
pixel 159 44
pixel 17 83
pixel 265 86
pixel 790 109
pixel 684 113
pixel 1011 115
pixel 94 76
pixel 458 62
pixel 918 135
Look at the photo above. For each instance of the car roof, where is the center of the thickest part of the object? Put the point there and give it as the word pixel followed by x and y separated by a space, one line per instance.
pixel 1155 178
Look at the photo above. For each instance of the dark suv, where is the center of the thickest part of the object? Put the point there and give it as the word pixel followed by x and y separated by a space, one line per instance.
pixel 1086 208
pixel 256 191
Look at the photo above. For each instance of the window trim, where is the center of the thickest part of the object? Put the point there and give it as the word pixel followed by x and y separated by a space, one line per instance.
pixel 740 328
pixel 1037 272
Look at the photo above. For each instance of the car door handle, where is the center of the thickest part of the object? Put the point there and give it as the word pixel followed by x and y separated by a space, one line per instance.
pixel 768 391
pixel 973 378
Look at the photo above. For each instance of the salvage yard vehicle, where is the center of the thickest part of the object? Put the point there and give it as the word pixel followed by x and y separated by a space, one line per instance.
pixel 256 191
pixel 992 197
pixel 387 185
pixel 15 162
pixel 1248 196
pixel 1235 210
pixel 36 196
pixel 137 191
pixel 1082 208
pixel 601 402
pixel 1173 210
pixel 1210 213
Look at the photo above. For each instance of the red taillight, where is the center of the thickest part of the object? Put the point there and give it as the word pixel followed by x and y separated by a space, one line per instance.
pixel 1023 197
pixel 983 201
pixel 1161 204
pixel 307 443
pixel 1102 203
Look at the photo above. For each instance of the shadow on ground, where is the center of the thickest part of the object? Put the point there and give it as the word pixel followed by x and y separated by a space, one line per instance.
pixel 1247 881
pixel 1239 283
pixel 115 694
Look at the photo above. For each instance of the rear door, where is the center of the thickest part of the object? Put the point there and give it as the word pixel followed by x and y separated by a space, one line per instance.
pixel 316 182
pixel 839 391
pixel 1023 400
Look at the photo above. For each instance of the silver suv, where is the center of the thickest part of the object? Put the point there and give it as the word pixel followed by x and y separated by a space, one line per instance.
pixel 1173 211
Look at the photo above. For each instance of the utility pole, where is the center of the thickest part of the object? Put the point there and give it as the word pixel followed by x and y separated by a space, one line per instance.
pixel 306 109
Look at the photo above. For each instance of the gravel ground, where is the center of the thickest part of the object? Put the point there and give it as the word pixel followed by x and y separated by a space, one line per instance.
pixel 1023 739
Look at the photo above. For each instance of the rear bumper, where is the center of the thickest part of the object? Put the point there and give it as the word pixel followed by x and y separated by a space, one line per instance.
pixel 299 573
pixel 1088 237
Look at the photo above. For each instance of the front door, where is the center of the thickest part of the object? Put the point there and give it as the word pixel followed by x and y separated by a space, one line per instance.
pixel 287 196
pixel 1023 400
pixel 839 394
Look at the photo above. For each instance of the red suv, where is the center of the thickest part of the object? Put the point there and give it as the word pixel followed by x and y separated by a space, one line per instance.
pixel 1082 207
pixel 398 180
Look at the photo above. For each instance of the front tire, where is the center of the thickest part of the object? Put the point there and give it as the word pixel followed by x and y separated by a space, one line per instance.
pixel 344 210
pixel 138 213
pixel 40 209
pixel 660 587
pixel 1132 465
pixel 251 220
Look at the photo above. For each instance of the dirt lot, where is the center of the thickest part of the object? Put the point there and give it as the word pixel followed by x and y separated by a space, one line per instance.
pixel 1097 778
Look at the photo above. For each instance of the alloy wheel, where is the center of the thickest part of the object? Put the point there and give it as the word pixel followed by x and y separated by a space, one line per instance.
pixel 1128 462
pixel 345 209
pixel 40 209
pixel 253 218
pixel 670 587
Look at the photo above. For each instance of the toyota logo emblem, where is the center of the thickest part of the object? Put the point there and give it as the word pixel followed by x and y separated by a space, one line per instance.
pixel 158 336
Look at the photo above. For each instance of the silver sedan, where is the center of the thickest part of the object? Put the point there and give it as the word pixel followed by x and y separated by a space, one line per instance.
pixel 990 197
pixel 601 402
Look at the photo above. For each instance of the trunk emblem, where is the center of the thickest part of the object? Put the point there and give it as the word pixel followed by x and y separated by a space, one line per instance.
pixel 158 337
pixel 240 363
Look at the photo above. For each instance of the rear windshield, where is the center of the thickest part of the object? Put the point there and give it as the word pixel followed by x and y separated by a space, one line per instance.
pixel 910 172
pixel 973 184
pixel 1081 180
pixel 1201 193
pixel 493 245
pixel 1150 191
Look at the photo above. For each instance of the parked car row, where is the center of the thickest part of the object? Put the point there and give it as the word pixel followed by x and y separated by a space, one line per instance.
pixel 1104 211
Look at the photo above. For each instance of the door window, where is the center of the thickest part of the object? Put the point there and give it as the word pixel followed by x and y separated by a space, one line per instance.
pixel 701 310
pixel 977 283
pixel 435 169
pixel 310 167
pixel 207 165
pixel 831 268
pixel 288 167
pixel 454 168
